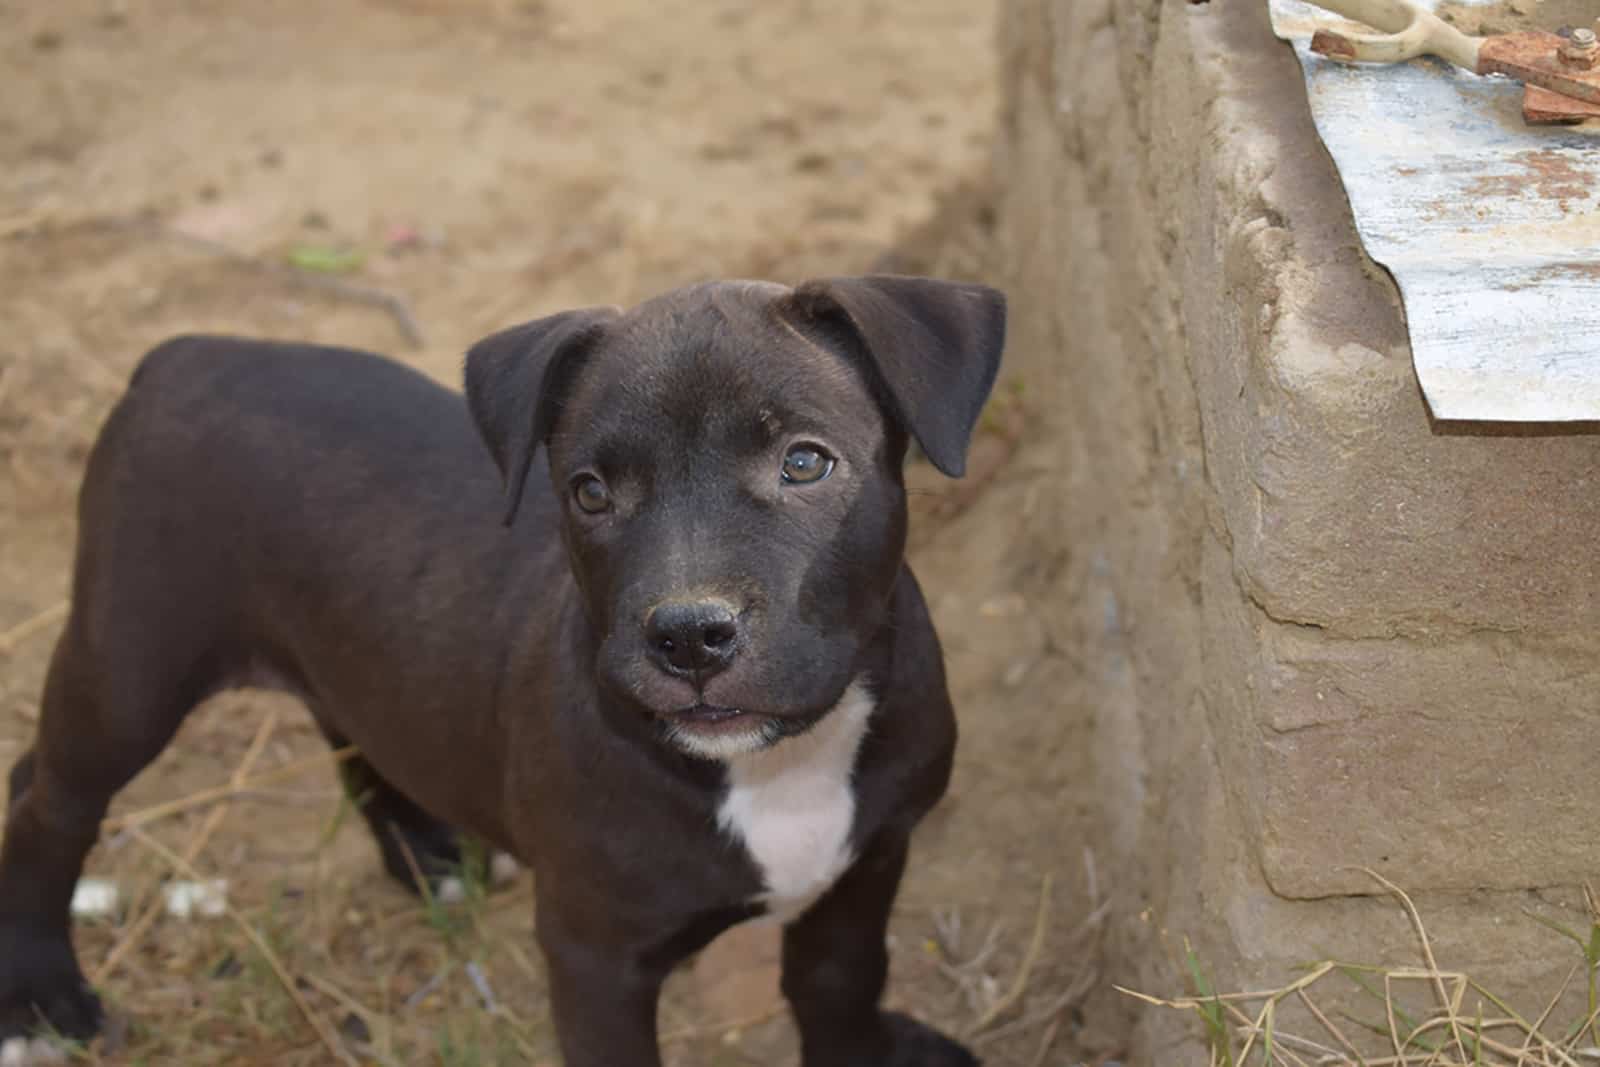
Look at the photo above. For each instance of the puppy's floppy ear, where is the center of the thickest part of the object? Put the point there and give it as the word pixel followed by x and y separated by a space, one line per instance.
pixel 516 381
pixel 935 346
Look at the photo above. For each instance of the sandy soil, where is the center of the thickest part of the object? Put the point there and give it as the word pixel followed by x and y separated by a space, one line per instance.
pixel 468 164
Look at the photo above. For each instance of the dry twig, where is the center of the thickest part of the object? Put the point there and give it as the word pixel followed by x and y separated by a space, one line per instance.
pixel 191 852
pixel 204 797
pixel 329 1039
pixel 1443 1038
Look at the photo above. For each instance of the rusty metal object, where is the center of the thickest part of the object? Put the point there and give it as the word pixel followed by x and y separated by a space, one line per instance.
pixel 1534 58
pixel 1580 50
pixel 1333 45
pixel 1541 107
pixel 1561 74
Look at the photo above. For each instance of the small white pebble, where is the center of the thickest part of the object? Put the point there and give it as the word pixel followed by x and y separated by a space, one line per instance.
pixel 93 898
pixel 21 1052
pixel 503 868
pixel 450 891
pixel 207 899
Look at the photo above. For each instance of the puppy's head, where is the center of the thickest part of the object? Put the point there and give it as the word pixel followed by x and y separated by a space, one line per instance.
pixel 728 459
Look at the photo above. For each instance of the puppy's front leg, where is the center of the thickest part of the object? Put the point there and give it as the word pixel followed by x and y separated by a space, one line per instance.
pixel 835 963
pixel 603 998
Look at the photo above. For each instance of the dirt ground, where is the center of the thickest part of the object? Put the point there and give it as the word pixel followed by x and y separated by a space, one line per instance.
pixel 409 175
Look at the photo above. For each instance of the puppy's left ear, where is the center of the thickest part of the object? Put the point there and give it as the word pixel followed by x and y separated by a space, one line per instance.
pixel 935 346
pixel 516 381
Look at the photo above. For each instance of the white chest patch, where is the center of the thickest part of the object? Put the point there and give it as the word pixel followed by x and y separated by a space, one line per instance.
pixel 793 805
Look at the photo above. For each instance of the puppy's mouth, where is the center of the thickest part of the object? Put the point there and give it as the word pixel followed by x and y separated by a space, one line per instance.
pixel 713 731
pixel 710 716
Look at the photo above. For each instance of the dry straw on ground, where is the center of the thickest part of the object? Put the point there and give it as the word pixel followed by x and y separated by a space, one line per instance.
pixel 331 974
pixel 1462 1023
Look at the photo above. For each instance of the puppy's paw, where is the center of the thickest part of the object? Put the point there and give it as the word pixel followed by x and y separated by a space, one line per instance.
pixel 42 992
pixel 429 851
pixel 916 1045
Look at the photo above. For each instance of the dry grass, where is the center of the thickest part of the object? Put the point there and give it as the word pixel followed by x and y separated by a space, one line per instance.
pixel 1001 1010
pixel 310 969
pixel 1458 1022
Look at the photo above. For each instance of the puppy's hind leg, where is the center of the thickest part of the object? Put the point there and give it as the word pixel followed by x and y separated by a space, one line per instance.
pixel 105 715
pixel 411 841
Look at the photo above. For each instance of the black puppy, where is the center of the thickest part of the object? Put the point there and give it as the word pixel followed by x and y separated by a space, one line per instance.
pixel 687 676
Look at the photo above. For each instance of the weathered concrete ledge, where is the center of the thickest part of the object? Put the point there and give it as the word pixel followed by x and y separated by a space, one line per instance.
pixel 1322 632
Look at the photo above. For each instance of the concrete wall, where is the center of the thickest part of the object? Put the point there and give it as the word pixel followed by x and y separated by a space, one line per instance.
pixel 1319 630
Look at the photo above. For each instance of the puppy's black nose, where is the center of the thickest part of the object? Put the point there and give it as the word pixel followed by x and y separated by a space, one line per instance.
pixel 692 636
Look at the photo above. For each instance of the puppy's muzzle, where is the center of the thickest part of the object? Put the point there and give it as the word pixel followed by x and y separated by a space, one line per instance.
pixel 692 638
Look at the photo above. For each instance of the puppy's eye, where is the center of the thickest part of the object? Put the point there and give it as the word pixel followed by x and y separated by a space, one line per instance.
pixel 591 494
pixel 806 463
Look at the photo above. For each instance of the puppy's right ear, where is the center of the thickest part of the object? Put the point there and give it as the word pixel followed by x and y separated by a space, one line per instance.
pixel 516 381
